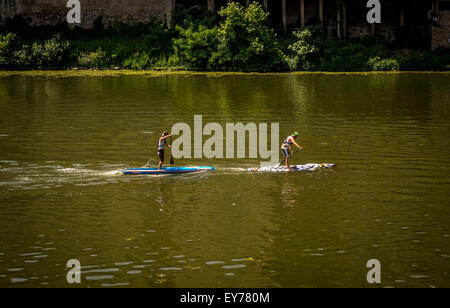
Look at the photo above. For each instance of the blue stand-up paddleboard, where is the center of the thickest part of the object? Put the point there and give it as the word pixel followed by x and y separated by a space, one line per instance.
pixel 168 170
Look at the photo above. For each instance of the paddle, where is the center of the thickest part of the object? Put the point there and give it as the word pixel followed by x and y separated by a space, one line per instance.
pixel 172 162
pixel 283 161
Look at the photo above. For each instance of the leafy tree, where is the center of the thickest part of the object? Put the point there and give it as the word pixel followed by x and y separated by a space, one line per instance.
pixel 52 54
pixel 379 64
pixel 96 59
pixel 195 45
pixel 246 43
pixel 8 44
pixel 305 50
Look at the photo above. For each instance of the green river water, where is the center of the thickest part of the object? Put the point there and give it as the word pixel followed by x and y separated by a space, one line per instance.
pixel 65 140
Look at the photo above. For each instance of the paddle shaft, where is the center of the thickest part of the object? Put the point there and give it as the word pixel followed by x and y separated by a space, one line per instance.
pixel 284 160
pixel 172 162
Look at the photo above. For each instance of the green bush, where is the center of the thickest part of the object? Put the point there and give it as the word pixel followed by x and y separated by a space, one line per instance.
pixel 246 43
pixel 345 56
pixel 379 64
pixel 23 58
pixel 96 59
pixel 138 61
pixel 436 60
pixel 305 49
pixel 124 50
pixel 52 53
pixel 158 40
pixel 195 46
pixel 8 44
pixel 311 51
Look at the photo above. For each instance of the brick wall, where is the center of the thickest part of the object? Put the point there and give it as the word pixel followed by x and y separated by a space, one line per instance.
pixel 441 32
pixel 54 11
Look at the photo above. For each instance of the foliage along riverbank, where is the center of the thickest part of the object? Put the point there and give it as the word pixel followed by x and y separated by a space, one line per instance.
pixel 157 73
pixel 238 40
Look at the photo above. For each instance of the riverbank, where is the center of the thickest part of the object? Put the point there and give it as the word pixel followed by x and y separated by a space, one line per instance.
pixel 237 40
pixel 156 73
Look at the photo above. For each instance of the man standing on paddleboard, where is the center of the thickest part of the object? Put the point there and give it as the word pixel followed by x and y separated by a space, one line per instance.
pixel 161 144
pixel 286 148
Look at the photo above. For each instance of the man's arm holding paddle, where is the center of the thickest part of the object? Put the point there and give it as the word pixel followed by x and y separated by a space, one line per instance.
pixel 296 144
pixel 165 137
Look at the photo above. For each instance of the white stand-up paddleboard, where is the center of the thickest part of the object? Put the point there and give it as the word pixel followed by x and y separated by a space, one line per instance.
pixel 307 167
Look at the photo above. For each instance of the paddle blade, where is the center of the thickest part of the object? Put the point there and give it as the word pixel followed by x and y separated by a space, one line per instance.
pixel 171 157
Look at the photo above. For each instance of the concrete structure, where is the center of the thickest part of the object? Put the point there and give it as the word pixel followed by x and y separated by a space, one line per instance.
pixel 402 20
pixel 440 31
pixel 40 12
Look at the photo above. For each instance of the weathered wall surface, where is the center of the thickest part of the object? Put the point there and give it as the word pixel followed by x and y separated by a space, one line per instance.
pixel 55 11
pixel 441 32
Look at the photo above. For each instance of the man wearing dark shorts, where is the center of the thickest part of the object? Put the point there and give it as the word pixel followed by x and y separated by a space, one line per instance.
pixel 286 148
pixel 161 144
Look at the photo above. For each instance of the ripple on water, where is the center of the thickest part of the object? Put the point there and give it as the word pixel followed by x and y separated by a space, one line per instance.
pixel 148 261
pixel 18 280
pixel 122 263
pixel 30 254
pixel 214 262
pixel 103 277
pixel 102 270
pixel 109 285
pixel 170 269
pixel 419 276
pixel 234 266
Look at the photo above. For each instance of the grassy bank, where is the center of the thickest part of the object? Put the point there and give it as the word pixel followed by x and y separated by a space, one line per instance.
pixel 157 73
pixel 238 39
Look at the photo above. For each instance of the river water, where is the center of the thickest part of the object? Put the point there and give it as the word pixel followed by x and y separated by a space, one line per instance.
pixel 65 140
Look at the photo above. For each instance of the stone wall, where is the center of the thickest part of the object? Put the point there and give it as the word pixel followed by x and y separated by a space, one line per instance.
pixel 441 32
pixel 41 12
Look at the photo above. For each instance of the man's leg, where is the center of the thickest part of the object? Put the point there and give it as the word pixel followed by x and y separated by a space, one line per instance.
pixel 161 158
